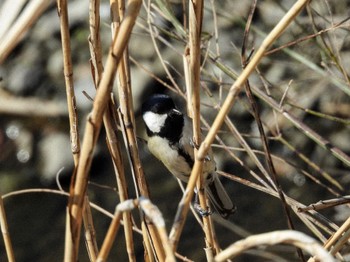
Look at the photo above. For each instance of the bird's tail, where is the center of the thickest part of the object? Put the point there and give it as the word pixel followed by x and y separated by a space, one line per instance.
pixel 219 198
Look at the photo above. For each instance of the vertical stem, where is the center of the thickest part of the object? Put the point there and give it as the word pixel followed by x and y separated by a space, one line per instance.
pixel 128 119
pixel 68 77
pixel 95 41
pixel 93 126
pixel 234 90
pixel 5 232
pixel 193 93
pixel 110 236
pixel 114 149
pixel 90 234
pixel 109 117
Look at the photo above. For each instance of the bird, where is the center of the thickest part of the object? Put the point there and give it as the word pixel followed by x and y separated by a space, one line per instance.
pixel 170 140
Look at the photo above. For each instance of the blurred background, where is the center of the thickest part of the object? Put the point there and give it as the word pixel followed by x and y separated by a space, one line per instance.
pixel 309 78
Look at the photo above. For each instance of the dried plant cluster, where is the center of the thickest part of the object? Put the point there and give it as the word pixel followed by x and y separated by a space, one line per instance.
pixel 272 100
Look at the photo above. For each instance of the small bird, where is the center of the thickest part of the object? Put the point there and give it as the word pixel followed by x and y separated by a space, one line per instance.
pixel 170 139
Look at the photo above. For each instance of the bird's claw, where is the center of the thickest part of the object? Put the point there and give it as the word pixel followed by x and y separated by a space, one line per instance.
pixel 202 212
pixel 194 144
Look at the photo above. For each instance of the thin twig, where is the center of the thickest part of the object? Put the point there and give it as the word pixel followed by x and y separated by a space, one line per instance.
pixel 152 34
pixel 68 76
pixel 30 106
pixel 127 119
pixel 234 90
pixel 93 125
pixel 90 233
pixel 110 236
pixel 322 204
pixel 110 116
pixel 22 24
pixel 5 233
pixel 291 237
pixel 62 10
pixel 193 108
pixel 255 109
pixel 321 141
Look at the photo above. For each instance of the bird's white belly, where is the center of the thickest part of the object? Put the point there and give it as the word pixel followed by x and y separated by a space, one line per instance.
pixel 175 163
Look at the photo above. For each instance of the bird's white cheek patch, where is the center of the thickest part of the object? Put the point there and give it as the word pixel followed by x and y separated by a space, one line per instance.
pixel 154 121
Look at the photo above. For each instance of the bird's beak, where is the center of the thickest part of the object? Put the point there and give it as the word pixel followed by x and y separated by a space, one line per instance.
pixel 175 112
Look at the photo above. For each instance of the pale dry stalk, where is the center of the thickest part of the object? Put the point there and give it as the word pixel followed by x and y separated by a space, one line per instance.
pixel 290 237
pixel 193 108
pixel 110 237
pixel 68 77
pixel 152 213
pixel 95 40
pixel 73 122
pixel 339 238
pixel 227 105
pixel 90 233
pixel 114 148
pixel 5 233
pixel 30 106
pixel 15 34
pixel 93 126
pixel 9 12
pixel 109 120
pixel 150 236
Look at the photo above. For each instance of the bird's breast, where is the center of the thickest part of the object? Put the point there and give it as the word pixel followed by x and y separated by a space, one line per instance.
pixel 170 157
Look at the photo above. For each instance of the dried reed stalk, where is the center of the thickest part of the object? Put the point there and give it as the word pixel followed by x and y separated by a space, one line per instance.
pixel 127 120
pixel 15 34
pixel 110 236
pixel 318 139
pixel 128 123
pixel 30 106
pixel 109 121
pixel 152 213
pixel 234 90
pixel 193 108
pixel 95 40
pixel 73 124
pixel 5 233
pixel 68 77
pixel 339 238
pixel 93 126
pixel 115 151
pixel 90 233
pixel 263 138
pixel 291 237
pixel 8 13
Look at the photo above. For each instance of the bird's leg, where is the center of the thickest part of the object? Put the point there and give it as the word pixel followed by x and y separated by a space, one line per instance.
pixel 202 212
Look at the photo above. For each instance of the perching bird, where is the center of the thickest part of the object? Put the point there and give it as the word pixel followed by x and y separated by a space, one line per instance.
pixel 170 140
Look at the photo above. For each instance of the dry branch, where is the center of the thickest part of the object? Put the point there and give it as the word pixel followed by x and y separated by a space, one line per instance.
pixel 295 238
pixel 5 233
pixel 152 213
pixel 234 90
pixel 93 126
pixel 193 59
pixel 26 19
pixel 68 77
pixel 110 118
pixel 90 233
pixel 30 106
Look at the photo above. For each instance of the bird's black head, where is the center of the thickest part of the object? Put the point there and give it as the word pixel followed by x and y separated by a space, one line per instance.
pixel 162 118
pixel 159 104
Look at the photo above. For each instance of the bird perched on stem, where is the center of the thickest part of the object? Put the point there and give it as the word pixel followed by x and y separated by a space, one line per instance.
pixel 170 139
